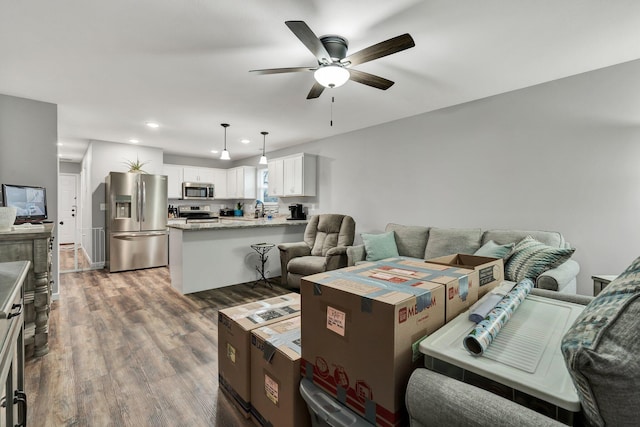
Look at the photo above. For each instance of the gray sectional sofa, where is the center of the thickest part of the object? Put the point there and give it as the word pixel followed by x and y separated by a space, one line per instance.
pixel 431 242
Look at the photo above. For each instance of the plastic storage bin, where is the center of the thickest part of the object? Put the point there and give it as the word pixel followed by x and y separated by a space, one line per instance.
pixel 325 411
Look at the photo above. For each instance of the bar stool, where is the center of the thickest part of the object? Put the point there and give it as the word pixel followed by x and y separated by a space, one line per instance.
pixel 262 249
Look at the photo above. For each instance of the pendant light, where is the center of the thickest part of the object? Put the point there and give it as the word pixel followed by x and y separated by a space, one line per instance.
pixel 225 153
pixel 263 159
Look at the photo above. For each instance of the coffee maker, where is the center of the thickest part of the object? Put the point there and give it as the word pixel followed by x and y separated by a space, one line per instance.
pixel 297 212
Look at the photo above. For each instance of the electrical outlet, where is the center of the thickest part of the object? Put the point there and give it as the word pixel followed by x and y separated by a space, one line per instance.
pixel 103 206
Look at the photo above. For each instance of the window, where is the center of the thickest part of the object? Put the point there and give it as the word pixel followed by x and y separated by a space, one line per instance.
pixel 263 187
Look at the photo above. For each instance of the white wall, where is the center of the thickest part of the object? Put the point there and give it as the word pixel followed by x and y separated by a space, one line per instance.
pixel 28 152
pixel 559 156
pixel 112 157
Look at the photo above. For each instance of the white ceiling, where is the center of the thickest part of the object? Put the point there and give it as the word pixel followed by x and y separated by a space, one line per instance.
pixel 113 65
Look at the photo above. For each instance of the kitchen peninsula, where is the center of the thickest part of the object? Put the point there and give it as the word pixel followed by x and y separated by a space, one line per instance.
pixel 206 256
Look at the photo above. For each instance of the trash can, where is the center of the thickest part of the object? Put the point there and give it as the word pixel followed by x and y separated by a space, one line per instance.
pixel 325 411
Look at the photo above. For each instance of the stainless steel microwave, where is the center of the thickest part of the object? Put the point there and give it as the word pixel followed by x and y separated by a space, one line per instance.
pixel 197 191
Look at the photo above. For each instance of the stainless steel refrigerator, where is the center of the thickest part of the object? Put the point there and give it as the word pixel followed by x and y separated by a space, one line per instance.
pixel 136 221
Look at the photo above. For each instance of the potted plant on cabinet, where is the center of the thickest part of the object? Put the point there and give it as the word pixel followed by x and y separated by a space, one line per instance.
pixel 135 166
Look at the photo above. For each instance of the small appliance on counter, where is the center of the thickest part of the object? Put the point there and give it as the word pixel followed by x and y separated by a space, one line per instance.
pixel 197 214
pixel 297 212
pixel 227 212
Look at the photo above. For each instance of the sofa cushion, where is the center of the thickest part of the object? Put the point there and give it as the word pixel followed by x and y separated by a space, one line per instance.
pixel 530 258
pixel 448 241
pixel 601 352
pixel 411 240
pixel 380 246
pixel 494 250
pixel 501 237
pixel 307 265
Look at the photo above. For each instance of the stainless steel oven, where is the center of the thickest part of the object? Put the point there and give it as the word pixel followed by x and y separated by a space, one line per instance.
pixel 197 191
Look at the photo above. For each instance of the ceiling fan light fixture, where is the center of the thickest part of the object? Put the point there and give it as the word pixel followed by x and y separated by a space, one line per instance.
pixel 225 154
pixel 331 75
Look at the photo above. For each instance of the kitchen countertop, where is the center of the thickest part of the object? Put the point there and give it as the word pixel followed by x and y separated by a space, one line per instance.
pixel 239 222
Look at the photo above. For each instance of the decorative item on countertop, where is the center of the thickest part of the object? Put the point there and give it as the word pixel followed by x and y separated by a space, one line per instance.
pixel 7 217
pixel 483 334
pixel 135 166
pixel 238 211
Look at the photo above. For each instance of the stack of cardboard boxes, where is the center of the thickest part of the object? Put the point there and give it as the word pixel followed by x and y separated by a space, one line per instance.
pixel 357 337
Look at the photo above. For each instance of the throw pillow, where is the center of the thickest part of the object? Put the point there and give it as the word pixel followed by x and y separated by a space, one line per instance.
pixel 531 258
pixel 380 246
pixel 494 250
pixel 601 352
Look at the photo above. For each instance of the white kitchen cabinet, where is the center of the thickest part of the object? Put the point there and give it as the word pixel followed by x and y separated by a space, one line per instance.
pixel 174 180
pixel 193 174
pixel 276 178
pixel 220 183
pixel 293 175
pixel 241 182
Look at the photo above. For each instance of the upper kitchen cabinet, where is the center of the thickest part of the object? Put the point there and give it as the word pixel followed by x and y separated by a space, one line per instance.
pixel 220 183
pixel 174 180
pixel 293 175
pixel 191 174
pixel 241 182
pixel 276 178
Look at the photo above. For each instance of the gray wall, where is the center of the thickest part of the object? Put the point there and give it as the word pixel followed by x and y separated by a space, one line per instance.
pixel 28 152
pixel 562 156
pixel 70 167
pixel 202 162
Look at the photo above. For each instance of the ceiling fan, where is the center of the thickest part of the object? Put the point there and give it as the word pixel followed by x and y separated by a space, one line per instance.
pixel 334 66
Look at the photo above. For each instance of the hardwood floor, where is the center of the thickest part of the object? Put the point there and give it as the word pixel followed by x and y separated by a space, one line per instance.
pixel 127 350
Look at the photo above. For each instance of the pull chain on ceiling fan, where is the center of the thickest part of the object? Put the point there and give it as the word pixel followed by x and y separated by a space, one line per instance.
pixel 334 66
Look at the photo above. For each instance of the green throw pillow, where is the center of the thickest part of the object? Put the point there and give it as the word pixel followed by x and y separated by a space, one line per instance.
pixel 531 258
pixel 380 246
pixel 494 250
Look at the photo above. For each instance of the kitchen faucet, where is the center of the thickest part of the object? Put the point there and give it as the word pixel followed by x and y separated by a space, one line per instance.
pixel 261 208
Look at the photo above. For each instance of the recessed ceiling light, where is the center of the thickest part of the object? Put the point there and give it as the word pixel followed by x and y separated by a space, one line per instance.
pixel 215 151
pixel 134 141
pixel 59 144
pixel 245 141
pixel 153 125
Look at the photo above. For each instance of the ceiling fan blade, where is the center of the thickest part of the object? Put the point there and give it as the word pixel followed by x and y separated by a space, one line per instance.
pixel 370 79
pixel 387 47
pixel 315 91
pixel 310 40
pixel 282 70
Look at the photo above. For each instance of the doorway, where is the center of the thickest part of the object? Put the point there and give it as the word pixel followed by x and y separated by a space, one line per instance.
pixel 72 256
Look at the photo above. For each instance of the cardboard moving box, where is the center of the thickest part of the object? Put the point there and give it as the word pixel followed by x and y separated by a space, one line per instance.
pixel 275 376
pixel 234 342
pixel 490 270
pixel 360 327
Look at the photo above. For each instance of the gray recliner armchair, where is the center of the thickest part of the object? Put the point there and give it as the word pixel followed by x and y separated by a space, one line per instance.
pixel 326 238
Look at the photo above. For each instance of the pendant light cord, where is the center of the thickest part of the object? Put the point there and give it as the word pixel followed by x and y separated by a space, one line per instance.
pixel 332 101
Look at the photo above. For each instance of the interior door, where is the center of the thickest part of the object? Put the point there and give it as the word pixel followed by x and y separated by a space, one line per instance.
pixel 67 207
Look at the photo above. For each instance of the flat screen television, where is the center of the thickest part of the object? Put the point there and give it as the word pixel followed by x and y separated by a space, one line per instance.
pixel 30 202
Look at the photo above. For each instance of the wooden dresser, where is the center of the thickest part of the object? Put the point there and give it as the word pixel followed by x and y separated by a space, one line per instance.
pixel 13 403
pixel 35 246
